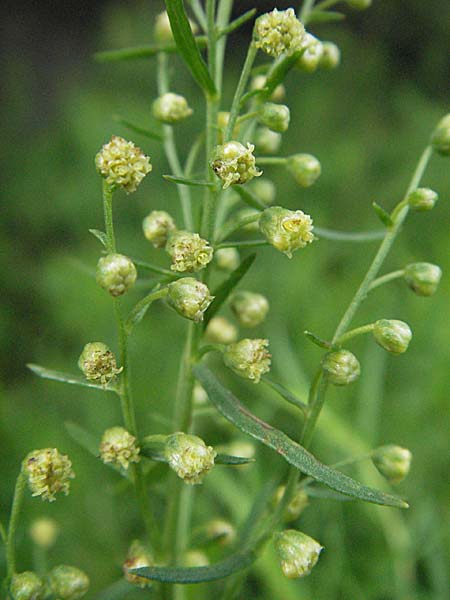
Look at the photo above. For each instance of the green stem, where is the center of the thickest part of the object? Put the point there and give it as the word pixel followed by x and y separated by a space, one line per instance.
pixel 247 117
pixel 199 13
pixel 326 4
pixel 306 10
pixel 242 244
pixel 210 348
pixel 354 333
pixel 386 278
pixel 236 224
pixel 136 314
pixel 272 160
pixel 13 521
pixel 107 212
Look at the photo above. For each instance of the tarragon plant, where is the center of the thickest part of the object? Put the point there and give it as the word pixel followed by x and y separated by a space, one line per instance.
pixel 220 205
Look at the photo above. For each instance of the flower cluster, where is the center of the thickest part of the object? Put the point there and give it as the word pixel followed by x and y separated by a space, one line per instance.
pixel 286 230
pixel 119 447
pixel 171 108
pixel 297 551
pixel 189 252
pixel 189 457
pixel 122 164
pixel 48 472
pixel 248 358
pixel 116 274
pixel 98 363
pixel 234 163
pixel 189 297
pixel 279 32
pixel 158 226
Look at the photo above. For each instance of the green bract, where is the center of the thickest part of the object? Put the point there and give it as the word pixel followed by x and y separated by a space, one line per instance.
pixel 286 230
pixel 341 367
pixel 116 274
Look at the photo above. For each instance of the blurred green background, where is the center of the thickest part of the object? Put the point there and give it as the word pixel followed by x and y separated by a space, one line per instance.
pixel 368 122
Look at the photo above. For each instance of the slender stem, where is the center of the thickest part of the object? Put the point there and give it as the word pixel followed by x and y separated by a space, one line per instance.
pixel 210 348
pixel 223 16
pixel 107 211
pixel 350 236
pixel 242 244
pixel 199 13
pixel 13 521
pixel 354 333
pixel 326 4
pixel 141 306
pixel 236 224
pixel 386 278
pixel 247 117
pixel 306 9
pixel 272 160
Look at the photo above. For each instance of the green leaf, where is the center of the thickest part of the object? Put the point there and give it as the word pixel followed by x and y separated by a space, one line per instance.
pixel 226 459
pixel 323 16
pixel 219 570
pixel 137 313
pixel 292 452
pixel 250 198
pixel 187 46
pixel 315 339
pixel 384 216
pixel 285 394
pixel 188 181
pixel 224 290
pixel 68 378
pixel 100 235
pixel 137 129
pixel 140 52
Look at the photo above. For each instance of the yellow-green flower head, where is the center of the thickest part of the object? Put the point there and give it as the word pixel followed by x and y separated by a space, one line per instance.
pixel 189 457
pixel 157 227
pixel 138 556
pixel 122 164
pixel 234 163
pixel 393 462
pixel 297 551
pixel 259 83
pixel 249 308
pixel 267 141
pixel 275 116
pixel 189 297
pixel 27 586
pixel 305 168
pixel 248 358
pixel 171 108
pixel 98 363
pixel 195 558
pixel 44 532
pixel 286 230
pixel 162 30
pixel 119 447
pixel 359 4
pixel 264 189
pixel 392 335
pixel 116 274
pixel 441 136
pixel 227 259
pixel 48 472
pixel 423 278
pixel 68 583
pixel 341 367
pixel 312 54
pixel 221 331
pixel 422 199
pixel 189 252
pixel 279 32
pixel 222 531
pixel 331 56
pixel 295 507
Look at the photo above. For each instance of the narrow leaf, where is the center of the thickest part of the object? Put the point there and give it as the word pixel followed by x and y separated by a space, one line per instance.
pixel 140 52
pixel 100 235
pixel 323 16
pixel 137 129
pixel 384 216
pixel 224 290
pixel 285 394
pixel 250 198
pixel 315 339
pixel 137 313
pixel 292 452
pixel 187 45
pixel 226 459
pixel 68 378
pixel 188 181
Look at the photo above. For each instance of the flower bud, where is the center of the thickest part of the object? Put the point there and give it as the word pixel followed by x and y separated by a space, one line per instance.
pixel 189 457
pixel 259 83
pixel 44 532
pixel 122 164
pixel 392 335
pixel 341 367
pixel 119 448
pixel 275 116
pixel 312 55
pixel 422 199
pixel 221 331
pixel 248 358
pixel 234 163
pixel 227 259
pixel 137 557
pixel 331 56
pixel 162 30
pixel 286 230
pixel 221 530
pixel 297 551
pixel 305 168
pixel 264 189
pixel 393 462
pixel 171 108
pixel 199 395
pixel 189 297
pixel 98 363
pixel 359 4
pixel 27 586
pixel 267 141
pixel 68 583
pixel 441 136
pixel 157 226
pixel 195 558
pixel 423 278
pixel 116 274
pixel 189 252
pixel 278 32
pixel 48 472
pixel 250 309
pixel 295 507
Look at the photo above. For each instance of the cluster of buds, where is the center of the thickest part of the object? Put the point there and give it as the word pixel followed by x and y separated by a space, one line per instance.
pixel 441 136
pixel 305 168
pixel 98 363
pixel 157 227
pixel 189 457
pixel 221 331
pixel 118 447
pixel 171 108
pixel 279 32
pixel 286 230
pixel 275 116
pixel 122 164
pixel 249 308
pixel 312 54
pixel 116 274
pixel 392 335
pixel 189 297
pixel 27 586
pixel 68 583
pixel 48 472
pixel 248 358
pixel 138 556
pixel 297 551
pixel 423 278
pixel 234 163
pixel 393 462
pixel 189 252
pixel 422 199
pixel 341 367
pixel 296 505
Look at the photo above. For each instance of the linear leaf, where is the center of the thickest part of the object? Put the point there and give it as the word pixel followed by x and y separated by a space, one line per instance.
pixel 224 290
pixel 187 46
pixel 315 339
pixel 100 235
pixel 384 216
pixel 68 378
pixel 292 452
pixel 227 459
pixel 138 129
pixel 139 52
pixel 188 181
pixel 285 393
pixel 219 570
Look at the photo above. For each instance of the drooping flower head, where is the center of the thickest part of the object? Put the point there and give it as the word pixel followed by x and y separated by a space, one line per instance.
pixel 98 363
pixel 298 552
pixel 248 358
pixel 286 230
pixel 122 164
pixel 189 457
pixel 234 163
pixel 189 297
pixel 48 472
pixel 119 447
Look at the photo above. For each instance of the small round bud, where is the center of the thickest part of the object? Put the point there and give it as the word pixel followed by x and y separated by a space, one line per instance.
pixel 331 56
pixel 278 32
pixel 221 331
pixel 162 30
pixel 234 163
pixel 359 4
pixel 393 462
pixel 286 230
pixel 48 472
pixel 305 168
pixel 158 226
pixel 275 116
pixel 227 259
pixel 267 141
pixel 312 55
pixel 189 457
pixel 195 558
pixel 423 278
pixel 44 532
pixel 199 396
pixel 265 190
pixel 441 136
pixel 98 363
pixel 119 448
pixel 189 297
pixel 27 586
pixel 295 507
pixel 171 108
pixel 297 551
pixel 392 335
pixel 221 530
pixel 122 164
pixel 248 358
pixel 250 309
pixel 341 367
pixel 137 557
pixel 189 252
pixel 68 583
pixel 116 274
pixel 422 199
pixel 259 83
